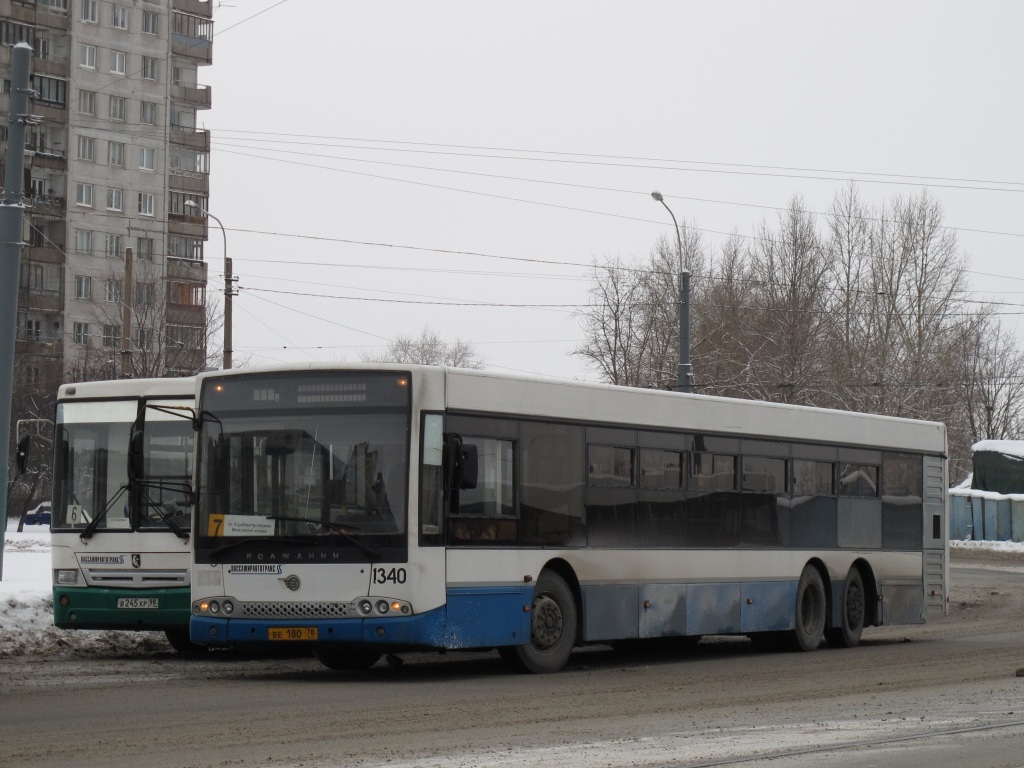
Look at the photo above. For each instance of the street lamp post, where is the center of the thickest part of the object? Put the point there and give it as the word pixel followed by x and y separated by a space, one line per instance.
pixel 228 280
pixel 684 374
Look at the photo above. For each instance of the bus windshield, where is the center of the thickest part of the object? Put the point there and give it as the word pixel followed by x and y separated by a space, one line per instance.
pixel 90 483
pixel 91 473
pixel 303 464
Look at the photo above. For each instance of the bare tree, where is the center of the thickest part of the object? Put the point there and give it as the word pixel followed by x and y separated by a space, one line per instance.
pixel 174 328
pixel 631 324
pixel 869 315
pixel 428 349
pixel 34 401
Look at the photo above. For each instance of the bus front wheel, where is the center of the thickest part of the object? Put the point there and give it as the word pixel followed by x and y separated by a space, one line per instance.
pixel 810 610
pixel 553 622
pixel 853 610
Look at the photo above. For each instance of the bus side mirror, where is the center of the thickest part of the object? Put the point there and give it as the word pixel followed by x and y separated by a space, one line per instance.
pixel 461 460
pixel 21 457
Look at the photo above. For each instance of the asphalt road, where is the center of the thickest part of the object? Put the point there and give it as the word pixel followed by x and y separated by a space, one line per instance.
pixel 942 694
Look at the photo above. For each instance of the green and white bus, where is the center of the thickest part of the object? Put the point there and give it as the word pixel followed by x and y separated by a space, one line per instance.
pixel 120 545
pixel 371 509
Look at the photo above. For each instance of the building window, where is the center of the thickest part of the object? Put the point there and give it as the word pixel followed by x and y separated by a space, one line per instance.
pixel 115 200
pixel 80 333
pixel 144 248
pixel 112 245
pixel 176 203
pixel 89 13
pixel 148 68
pixel 145 338
pixel 83 241
pixel 83 194
pixel 189 160
pixel 115 153
pixel 87 102
pixel 186 294
pixel 185 248
pixel 147 158
pixel 149 23
pixel 117 108
pixel 12 33
pixel 83 287
pixel 147 113
pixel 51 91
pixel 111 290
pixel 86 148
pixel 143 294
pixel 118 17
pixel 87 56
pixel 111 336
pixel 59 7
pixel 118 62
pixel 146 204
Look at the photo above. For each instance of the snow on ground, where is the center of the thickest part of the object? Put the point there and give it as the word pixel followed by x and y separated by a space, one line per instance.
pixel 26 606
pixel 26 601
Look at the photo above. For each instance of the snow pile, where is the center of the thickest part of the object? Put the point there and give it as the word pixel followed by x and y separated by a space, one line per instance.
pixel 26 607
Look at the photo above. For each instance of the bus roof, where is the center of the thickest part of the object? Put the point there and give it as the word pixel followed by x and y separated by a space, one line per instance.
pixel 128 388
pixel 612 405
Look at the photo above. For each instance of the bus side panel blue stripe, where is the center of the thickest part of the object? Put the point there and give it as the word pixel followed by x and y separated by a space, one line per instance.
pixel 479 617
pixel 768 606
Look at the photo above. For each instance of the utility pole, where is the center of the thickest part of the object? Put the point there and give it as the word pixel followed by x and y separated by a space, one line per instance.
pixel 126 317
pixel 12 215
pixel 684 374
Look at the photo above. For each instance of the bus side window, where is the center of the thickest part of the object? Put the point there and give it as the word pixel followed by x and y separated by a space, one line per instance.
pixel 486 514
pixel 431 479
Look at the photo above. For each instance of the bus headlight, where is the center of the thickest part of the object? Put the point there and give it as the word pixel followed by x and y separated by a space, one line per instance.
pixel 66 577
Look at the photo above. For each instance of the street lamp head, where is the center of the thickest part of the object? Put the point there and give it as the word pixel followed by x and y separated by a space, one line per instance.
pixel 191 204
pixel 655 194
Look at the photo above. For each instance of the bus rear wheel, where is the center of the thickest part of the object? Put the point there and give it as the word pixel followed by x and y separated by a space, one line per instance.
pixel 810 610
pixel 853 610
pixel 346 658
pixel 553 622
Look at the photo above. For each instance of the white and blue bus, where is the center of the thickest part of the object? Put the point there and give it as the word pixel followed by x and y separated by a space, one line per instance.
pixel 120 544
pixel 370 509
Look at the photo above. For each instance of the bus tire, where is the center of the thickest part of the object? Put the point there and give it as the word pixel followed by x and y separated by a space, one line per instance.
pixel 853 610
pixel 810 610
pixel 346 658
pixel 553 623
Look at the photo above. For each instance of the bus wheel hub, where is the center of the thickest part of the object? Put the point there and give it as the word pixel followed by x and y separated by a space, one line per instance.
pixel 546 627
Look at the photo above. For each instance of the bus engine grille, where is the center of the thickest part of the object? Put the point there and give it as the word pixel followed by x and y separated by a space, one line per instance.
pixel 319 610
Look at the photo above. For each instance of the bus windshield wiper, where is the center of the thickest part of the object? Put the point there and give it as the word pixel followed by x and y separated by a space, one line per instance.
pixel 341 529
pixel 90 529
pixel 176 529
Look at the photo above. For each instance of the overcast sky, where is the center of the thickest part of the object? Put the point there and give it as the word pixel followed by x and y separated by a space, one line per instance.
pixel 383 166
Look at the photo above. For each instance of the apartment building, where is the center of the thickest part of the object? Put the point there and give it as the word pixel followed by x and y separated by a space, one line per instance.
pixel 110 165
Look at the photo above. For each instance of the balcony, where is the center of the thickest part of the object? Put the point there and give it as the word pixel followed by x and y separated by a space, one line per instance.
pixel 192 47
pixel 192 138
pixel 45 254
pixel 186 269
pixel 201 97
pixel 52 160
pixel 195 7
pixel 191 182
pixel 47 206
pixel 188 226
pixel 38 300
